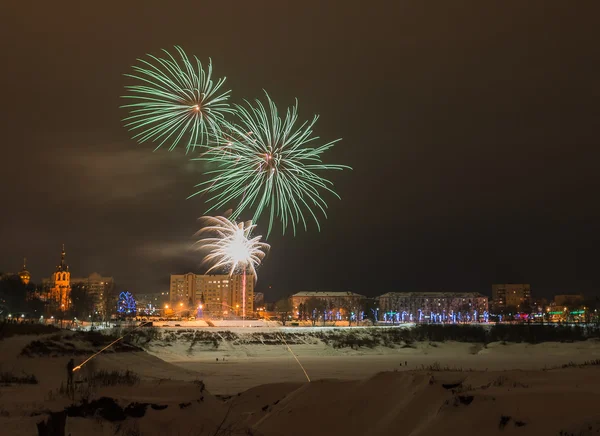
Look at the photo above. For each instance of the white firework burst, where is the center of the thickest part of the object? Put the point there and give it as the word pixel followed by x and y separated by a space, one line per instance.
pixel 230 245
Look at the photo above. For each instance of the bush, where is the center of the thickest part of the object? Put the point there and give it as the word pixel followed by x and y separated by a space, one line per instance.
pixel 114 378
pixel 534 334
pixel 10 378
pixel 8 329
pixel 51 348
pixel 528 333
pixel 138 336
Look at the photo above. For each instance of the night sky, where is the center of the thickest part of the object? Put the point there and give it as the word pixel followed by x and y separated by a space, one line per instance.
pixel 472 128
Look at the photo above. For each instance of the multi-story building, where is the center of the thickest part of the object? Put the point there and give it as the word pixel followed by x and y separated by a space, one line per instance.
pixel 99 288
pixel 336 299
pixel 334 305
pixel 433 306
pixel 568 300
pixel 511 296
pixel 219 295
pixel 183 288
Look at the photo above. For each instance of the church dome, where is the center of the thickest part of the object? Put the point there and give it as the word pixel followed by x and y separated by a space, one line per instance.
pixel 24 275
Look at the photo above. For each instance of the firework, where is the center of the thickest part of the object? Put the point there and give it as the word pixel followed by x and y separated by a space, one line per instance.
pixel 231 246
pixel 267 163
pixel 175 102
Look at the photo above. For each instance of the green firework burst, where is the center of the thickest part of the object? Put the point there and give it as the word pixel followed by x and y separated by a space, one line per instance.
pixel 266 163
pixel 175 101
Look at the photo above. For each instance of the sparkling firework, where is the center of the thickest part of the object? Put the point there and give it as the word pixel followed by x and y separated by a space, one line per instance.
pixel 175 101
pixel 231 246
pixel 266 162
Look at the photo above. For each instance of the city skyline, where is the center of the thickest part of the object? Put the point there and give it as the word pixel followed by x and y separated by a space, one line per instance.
pixel 489 291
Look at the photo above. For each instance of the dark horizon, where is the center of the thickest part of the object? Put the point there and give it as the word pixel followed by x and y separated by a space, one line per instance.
pixel 471 128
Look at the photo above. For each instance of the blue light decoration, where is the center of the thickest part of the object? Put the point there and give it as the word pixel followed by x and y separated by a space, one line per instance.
pixel 486 316
pixel 126 304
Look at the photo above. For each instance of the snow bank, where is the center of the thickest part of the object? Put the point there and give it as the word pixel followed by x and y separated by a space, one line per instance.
pixel 349 393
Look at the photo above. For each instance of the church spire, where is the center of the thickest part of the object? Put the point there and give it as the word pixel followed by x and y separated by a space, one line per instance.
pixel 63 266
pixel 24 263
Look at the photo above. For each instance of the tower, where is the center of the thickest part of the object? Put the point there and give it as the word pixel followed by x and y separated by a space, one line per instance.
pixel 24 274
pixel 61 284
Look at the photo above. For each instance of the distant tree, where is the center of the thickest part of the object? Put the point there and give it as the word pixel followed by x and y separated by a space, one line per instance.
pixel 314 308
pixel 284 307
pixel 463 310
pixel 126 304
pixel 302 311
pixel 591 307
pixel 351 307
pixel 329 307
pixel 35 306
pixel 107 304
pixel 13 293
pixel 527 308
pixel 369 307
pixel 508 312
pixel 82 303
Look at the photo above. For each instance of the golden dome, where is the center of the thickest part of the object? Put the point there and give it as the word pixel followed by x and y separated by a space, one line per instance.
pixel 24 275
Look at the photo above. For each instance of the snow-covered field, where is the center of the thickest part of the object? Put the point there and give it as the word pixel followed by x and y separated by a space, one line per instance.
pixel 242 362
pixel 498 389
